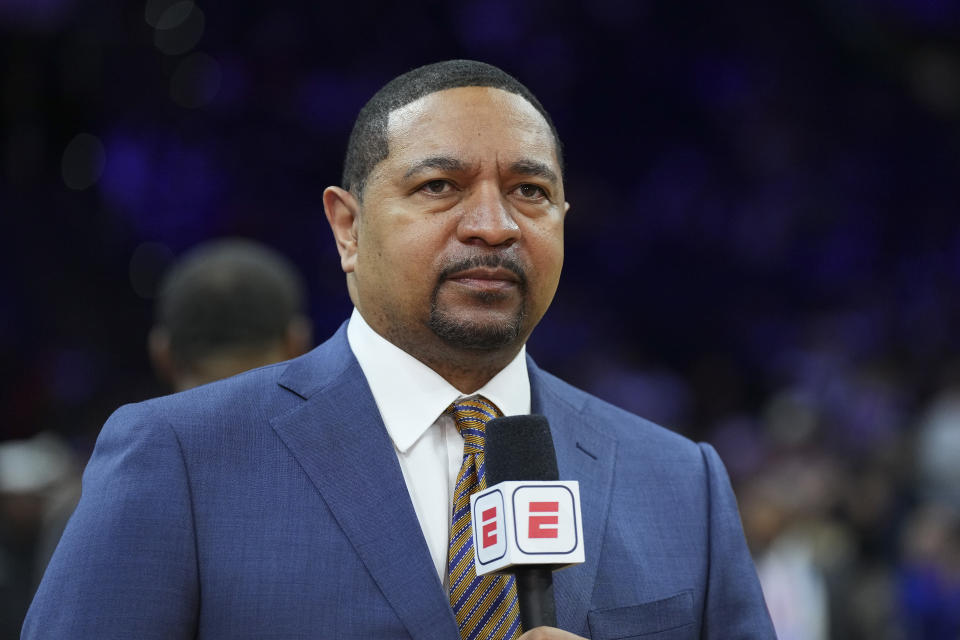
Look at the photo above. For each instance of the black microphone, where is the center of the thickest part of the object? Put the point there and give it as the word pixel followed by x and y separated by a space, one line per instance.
pixel 521 448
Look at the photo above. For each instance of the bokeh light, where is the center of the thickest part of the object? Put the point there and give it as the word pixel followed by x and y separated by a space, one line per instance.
pixel 83 161
pixel 147 264
pixel 179 28
pixel 196 81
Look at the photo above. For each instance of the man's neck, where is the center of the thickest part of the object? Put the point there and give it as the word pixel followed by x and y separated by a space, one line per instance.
pixel 466 370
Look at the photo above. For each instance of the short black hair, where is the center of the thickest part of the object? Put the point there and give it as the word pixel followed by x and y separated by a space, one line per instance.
pixel 226 295
pixel 368 143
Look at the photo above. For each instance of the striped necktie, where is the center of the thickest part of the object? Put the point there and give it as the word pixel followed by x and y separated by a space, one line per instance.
pixel 484 606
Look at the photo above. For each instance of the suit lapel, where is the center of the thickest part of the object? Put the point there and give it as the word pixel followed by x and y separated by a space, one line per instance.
pixel 339 440
pixel 588 456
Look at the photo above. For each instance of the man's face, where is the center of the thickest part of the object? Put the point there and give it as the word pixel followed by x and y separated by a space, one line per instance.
pixel 460 233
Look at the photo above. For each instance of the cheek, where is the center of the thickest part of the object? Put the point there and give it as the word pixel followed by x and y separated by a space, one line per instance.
pixel 397 270
pixel 546 263
pixel 546 246
pixel 376 251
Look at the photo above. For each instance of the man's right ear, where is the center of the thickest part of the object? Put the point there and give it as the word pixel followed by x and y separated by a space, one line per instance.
pixel 343 214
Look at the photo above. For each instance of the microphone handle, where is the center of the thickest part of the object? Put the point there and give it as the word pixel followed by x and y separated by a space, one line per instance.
pixel 535 596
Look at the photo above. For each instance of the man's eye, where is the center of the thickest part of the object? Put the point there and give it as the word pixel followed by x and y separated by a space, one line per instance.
pixel 436 187
pixel 531 191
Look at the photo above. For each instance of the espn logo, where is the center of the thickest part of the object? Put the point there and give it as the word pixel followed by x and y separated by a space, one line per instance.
pixel 527 523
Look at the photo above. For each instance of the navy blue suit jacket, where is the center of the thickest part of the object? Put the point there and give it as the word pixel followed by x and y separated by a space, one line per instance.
pixel 272 505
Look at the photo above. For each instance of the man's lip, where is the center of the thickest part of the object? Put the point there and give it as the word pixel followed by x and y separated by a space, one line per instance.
pixel 485 273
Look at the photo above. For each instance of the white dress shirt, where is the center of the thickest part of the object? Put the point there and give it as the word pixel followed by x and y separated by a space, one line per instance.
pixel 412 399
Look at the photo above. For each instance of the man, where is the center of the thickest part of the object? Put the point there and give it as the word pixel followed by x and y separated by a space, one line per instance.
pixel 310 498
pixel 225 307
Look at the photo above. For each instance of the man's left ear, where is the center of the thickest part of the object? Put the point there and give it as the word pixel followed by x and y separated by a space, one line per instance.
pixel 343 214
pixel 298 338
pixel 161 357
pixel 566 207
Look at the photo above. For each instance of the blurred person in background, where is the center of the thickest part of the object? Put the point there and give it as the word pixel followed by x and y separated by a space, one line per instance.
pixel 39 488
pixel 928 574
pixel 225 307
pixel 938 444
pixel 783 520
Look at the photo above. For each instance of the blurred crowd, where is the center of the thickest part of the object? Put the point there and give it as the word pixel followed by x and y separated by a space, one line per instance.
pixel 848 480
pixel 763 250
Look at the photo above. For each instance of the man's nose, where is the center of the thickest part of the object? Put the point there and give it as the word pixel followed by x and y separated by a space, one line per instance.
pixel 487 218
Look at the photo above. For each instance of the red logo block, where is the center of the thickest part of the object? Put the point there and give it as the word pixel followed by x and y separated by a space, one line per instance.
pixel 544 526
pixel 489 520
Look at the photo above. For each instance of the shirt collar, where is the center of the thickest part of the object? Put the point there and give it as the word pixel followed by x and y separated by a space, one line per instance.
pixel 411 396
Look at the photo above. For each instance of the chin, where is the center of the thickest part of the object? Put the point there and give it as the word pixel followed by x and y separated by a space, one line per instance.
pixel 477 334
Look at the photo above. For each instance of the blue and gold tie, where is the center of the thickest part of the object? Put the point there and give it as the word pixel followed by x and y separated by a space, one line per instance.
pixel 485 606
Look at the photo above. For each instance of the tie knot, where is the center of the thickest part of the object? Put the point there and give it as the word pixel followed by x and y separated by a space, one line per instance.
pixel 471 416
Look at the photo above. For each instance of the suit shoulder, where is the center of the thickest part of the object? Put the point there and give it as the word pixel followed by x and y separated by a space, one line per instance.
pixel 239 407
pixel 271 389
pixel 239 393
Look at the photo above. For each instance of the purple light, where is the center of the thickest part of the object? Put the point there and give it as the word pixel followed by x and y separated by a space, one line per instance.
pixel 39 15
pixel 168 191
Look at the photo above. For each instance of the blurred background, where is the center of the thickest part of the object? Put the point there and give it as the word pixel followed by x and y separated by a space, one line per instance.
pixel 763 245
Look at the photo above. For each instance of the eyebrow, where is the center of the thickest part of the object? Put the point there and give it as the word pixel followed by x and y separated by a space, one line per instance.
pixel 444 163
pixel 535 169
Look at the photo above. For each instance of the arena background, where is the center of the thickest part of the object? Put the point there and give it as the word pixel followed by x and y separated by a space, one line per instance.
pixel 763 249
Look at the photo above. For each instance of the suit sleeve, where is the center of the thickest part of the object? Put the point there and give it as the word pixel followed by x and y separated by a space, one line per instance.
pixel 126 566
pixel 734 605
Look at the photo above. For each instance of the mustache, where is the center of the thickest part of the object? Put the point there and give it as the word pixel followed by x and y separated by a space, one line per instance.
pixel 490 260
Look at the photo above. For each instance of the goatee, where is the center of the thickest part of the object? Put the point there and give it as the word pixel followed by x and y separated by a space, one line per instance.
pixel 479 335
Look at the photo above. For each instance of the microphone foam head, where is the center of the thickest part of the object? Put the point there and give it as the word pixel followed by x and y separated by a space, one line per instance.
pixel 519 448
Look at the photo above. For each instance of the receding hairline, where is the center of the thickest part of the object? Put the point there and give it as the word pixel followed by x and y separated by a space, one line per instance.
pixel 506 93
pixel 525 164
